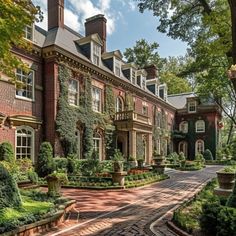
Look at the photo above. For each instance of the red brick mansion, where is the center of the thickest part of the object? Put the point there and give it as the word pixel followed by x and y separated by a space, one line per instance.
pixel 80 98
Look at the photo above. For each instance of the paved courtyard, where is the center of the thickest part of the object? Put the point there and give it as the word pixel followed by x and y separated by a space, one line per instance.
pixel 134 211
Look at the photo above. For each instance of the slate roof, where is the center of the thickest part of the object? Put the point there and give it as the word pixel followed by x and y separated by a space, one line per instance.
pixel 179 100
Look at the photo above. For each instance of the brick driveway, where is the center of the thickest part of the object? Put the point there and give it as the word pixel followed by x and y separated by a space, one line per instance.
pixel 131 212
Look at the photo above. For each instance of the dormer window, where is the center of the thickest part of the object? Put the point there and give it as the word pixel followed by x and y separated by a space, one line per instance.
pixel 192 107
pixel 28 32
pixel 143 82
pixel 162 91
pixel 139 78
pixel 117 68
pixel 133 76
pixel 96 53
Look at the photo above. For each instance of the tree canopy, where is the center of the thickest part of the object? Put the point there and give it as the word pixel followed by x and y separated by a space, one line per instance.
pixel 15 15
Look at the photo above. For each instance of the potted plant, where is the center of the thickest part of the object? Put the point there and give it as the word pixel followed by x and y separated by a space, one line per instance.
pixel 132 161
pixel 118 160
pixel 158 159
pixel 55 180
pixel 226 178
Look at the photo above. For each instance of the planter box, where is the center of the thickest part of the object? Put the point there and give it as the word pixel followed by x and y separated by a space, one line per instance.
pixel 226 180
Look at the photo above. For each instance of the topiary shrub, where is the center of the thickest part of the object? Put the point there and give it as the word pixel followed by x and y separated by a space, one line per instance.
pixel 45 165
pixel 9 192
pixel 33 176
pixel 207 155
pixel 6 152
pixel 231 202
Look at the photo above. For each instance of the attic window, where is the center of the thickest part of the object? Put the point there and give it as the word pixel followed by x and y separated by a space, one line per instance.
pixel 139 80
pixel 162 91
pixel 28 32
pixel 96 54
pixel 117 68
pixel 192 107
pixel 133 76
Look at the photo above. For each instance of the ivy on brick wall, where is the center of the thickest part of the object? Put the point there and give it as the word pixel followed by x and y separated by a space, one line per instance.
pixel 68 116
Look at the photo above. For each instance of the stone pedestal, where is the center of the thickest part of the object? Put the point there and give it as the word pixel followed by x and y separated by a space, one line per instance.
pixel 119 177
pixel 222 192
pixel 160 169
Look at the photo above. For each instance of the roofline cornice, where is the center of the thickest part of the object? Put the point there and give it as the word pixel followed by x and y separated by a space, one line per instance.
pixel 56 52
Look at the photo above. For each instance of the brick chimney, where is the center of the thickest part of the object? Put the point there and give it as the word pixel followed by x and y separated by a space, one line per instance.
pixel 97 24
pixel 152 72
pixel 55 14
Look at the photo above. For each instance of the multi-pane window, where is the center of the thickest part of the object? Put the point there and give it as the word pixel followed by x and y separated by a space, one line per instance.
pixel 24 142
pixel 73 92
pixel 77 134
pixel 192 106
pixel 96 99
pixel 25 84
pixel 28 32
pixel 199 147
pixel 200 126
pixel 143 82
pixel 97 144
pixel 96 54
pixel 119 104
pixel 183 126
pixel 139 80
pixel 117 68
pixel 158 147
pixel 159 119
pixel 133 76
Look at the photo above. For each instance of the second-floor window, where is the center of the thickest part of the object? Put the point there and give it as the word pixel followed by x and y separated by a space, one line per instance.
pixel 25 84
pixel 200 126
pixel 96 99
pixel 145 110
pixel 96 52
pixel 28 30
pixel 119 104
pixel 73 92
pixel 183 126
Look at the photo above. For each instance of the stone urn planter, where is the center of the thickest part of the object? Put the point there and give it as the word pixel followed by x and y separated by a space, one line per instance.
pixel 118 166
pixel 54 181
pixel 226 180
pixel 159 163
pixel 119 177
pixel 140 163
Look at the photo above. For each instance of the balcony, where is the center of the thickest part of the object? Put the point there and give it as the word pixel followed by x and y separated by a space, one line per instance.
pixel 131 116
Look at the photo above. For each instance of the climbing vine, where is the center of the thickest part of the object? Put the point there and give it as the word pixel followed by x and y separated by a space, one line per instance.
pixel 68 116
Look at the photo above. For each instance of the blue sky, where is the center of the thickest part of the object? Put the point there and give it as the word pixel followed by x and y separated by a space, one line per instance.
pixel 125 25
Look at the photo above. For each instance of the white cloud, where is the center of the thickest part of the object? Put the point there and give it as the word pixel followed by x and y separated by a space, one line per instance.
pixel 79 10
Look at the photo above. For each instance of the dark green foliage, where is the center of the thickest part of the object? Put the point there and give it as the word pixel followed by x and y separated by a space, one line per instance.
pixel 45 165
pixel 68 116
pixel 33 177
pixel 231 202
pixel 6 152
pixel 233 149
pixel 207 155
pixel 71 165
pixel 9 192
pixel 208 220
pixel 61 164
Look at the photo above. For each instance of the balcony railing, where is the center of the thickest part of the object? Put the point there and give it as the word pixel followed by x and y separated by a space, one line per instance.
pixel 132 116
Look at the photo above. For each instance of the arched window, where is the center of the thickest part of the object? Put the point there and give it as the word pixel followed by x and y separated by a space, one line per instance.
pixel 119 104
pixel 183 147
pixel 199 146
pixel 77 133
pixel 25 142
pixel 200 126
pixel 183 126
pixel 97 144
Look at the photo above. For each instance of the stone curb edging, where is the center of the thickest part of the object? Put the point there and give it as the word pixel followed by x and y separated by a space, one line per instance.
pixel 44 224
pixel 176 229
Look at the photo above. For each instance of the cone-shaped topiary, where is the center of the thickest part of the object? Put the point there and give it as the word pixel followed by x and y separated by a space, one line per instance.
pixel 6 152
pixel 9 192
pixel 208 155
pixel 45 165
pixel 231 202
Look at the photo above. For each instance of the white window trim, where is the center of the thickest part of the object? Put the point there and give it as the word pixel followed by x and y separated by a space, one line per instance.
pixel 195 104
pixel 33 90
pixel 185 147
pixel 181 123
pixel 71 104
pixel 114 66
pixel 131 76
pixel 33 140
pixel 196 126
pixel 92 53
pixel 100 145
pixel 100 105
pixel 119 99
pixel 196 146
pixel 33 32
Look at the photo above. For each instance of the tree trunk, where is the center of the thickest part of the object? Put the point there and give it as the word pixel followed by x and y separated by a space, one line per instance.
pixel 232 4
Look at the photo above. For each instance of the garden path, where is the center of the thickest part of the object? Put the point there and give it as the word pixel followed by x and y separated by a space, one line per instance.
pixel 132 212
